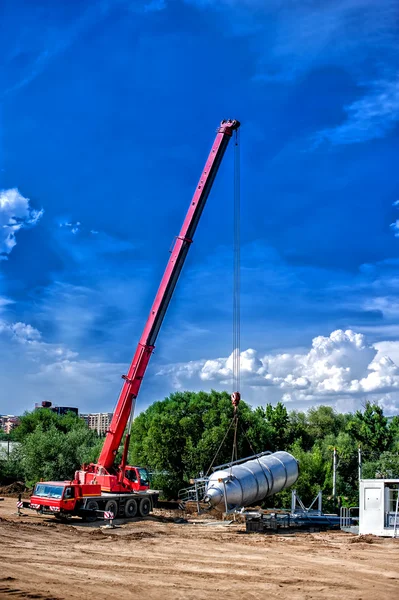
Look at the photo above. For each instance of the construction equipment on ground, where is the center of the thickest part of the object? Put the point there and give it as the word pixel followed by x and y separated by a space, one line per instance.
pixel 299 518
pixel 123 490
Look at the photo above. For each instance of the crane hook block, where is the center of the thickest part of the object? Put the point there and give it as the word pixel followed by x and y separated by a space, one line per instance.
pixel 235 399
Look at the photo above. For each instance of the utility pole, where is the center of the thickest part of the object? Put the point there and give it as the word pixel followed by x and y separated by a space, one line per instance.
pixel 334 491
pixel 359 462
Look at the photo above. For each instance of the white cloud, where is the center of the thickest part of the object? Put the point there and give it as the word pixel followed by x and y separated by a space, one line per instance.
pixel 73 227
pixel 20 331
pixel 49 371
pixel 292 39
pixel 15 335
pixel 368 118
pixel 82 243
pixel 15 214
pixel 395 227
pixel 252 367
pixel 5 302
pixel 387 305
pixel 344 364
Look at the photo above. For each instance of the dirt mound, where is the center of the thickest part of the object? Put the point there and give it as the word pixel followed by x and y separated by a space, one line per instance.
pixel 13 489
pixel 365 539
pixel 138 535
pixel 99 534
pixel 96 534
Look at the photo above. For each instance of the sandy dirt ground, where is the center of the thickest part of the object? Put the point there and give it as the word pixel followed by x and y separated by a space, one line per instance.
pixel 161 559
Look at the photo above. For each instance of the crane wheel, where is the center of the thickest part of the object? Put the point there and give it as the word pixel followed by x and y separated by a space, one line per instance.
pixel 65 518
pixel 112 506
pixel 131 508
pixel 144 507
pixel 91 505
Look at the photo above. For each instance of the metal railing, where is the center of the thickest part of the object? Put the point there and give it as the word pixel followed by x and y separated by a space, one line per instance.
pixel 194 493
pixel 345 516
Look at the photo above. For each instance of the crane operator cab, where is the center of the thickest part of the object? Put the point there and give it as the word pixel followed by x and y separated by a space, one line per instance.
pixel 138 478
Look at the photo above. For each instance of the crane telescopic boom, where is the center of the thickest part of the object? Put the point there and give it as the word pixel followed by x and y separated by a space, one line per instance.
pixel 132 380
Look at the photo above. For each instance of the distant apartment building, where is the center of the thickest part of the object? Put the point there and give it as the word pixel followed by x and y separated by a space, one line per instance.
pixel 59 410
pixel 98 422
pixel 8 423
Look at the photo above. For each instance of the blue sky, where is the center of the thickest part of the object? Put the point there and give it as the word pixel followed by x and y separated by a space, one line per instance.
pixel 107 113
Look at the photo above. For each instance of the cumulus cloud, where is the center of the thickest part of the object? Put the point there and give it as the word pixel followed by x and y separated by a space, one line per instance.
pixel 343 364
pixel 20 331
pixel 15 214
pixel 14 335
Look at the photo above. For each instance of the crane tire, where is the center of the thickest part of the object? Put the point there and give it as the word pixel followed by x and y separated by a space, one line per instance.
pixel 112 506
pixel 144 507
pixel 131 508
pixel 91 505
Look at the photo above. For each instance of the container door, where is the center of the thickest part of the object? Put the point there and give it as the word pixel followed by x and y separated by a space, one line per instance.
pixel 373 514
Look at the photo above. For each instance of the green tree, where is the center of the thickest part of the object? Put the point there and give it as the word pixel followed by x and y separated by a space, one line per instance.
pixel 298 430
pixel 323 420
pixel 394 433
pixel 386 466
pixel 10 469
pixel 46 419
pixel 278 419
pixel 347 466
pixel 311 477
pixel 50 446
pixel 370 428
pixel 50 454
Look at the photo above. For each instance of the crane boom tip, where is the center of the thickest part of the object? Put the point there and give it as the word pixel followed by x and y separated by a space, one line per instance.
pixel 228 126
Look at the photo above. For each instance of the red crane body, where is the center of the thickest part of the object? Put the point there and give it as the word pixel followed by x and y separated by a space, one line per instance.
pixel 114 479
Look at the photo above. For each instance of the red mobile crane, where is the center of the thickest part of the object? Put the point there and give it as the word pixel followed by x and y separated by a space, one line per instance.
pixel 124 489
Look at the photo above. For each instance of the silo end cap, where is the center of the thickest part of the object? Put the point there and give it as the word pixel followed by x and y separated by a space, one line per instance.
pixel 213 496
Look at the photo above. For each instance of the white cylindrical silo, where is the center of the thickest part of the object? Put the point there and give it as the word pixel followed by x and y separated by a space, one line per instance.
pixel 251 481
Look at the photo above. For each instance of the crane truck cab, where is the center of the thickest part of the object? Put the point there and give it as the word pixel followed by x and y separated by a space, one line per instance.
pixel 138 478
pixel 62 497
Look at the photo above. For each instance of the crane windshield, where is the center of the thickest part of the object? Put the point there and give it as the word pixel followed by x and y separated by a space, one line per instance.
pixel 43 490
pixel 144 477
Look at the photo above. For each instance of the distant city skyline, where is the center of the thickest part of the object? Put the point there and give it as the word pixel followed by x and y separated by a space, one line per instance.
pixel 97 421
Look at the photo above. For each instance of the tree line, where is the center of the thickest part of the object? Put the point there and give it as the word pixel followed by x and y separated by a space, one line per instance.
pixel 183 435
